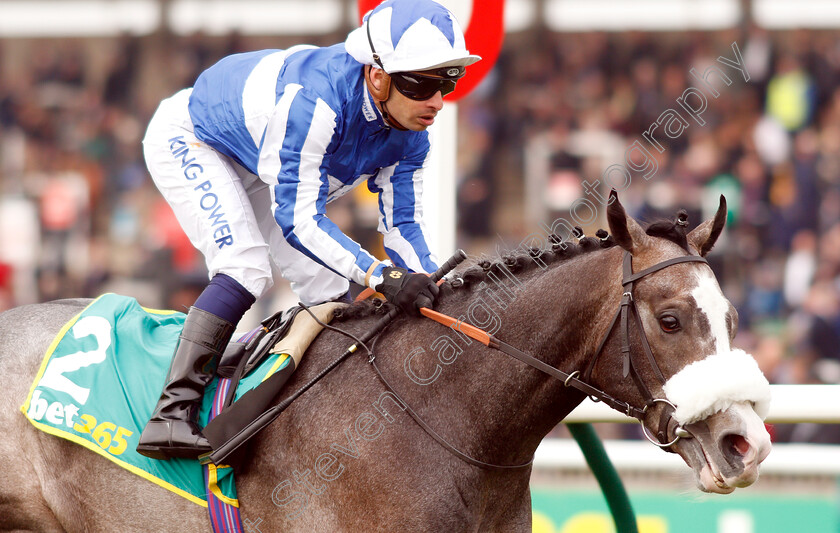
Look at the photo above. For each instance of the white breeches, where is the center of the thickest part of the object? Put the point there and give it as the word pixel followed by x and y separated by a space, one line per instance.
pixel 226 211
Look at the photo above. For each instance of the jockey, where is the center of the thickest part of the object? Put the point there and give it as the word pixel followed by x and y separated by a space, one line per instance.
pixel 249 157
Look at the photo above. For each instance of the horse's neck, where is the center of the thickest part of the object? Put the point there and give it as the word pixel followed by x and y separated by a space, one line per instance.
pixel 493 406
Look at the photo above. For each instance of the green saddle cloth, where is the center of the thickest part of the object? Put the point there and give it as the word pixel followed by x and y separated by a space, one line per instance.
pixel 101 378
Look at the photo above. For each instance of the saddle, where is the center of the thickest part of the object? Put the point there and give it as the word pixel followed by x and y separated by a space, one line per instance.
pixel 285 336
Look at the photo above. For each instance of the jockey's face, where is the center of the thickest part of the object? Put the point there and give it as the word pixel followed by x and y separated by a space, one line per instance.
pixel 416 115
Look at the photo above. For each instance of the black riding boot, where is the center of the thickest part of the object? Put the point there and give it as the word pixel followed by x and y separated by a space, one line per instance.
pixel 172 431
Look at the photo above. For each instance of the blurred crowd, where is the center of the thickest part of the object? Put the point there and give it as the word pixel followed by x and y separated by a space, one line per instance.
pixel 79 215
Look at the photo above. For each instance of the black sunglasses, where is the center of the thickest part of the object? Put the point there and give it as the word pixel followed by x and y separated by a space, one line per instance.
pixel 417 86
pixel 421 85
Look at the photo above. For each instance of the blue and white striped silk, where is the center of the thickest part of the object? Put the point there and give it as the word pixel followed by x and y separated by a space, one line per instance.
pixel 303 120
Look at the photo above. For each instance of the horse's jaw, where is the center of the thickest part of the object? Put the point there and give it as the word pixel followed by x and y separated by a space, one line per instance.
pixel 726 449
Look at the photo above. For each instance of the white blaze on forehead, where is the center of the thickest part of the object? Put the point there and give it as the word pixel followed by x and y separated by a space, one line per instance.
pixel 723 378
pixel 713 304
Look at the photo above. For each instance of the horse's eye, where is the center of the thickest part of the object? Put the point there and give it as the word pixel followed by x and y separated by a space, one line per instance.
pixel 669 323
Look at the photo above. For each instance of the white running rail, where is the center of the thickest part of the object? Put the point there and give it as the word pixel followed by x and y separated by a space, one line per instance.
pixel 789 404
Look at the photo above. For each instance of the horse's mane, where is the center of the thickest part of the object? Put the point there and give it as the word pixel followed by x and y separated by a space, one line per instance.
pixel 360 309
pixel 520 261
pixel 479 270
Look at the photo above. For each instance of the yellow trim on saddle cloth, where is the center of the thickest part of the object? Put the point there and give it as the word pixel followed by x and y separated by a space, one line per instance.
pixel 131 468
pixel 277 364
pixel 50 350
pixel 54 344
pixel 158 311
pixel 80 440
pixel 213 484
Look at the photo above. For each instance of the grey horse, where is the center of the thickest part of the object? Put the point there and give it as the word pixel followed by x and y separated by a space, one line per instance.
pixel 347 456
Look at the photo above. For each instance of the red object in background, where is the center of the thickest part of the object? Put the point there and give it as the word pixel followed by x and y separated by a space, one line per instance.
pixel 5 276
pixel 167 228
pixel 59 205
pixel 483 34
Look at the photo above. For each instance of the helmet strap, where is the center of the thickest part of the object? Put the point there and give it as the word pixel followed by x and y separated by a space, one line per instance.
pixel 383 92
pixel 391 120
pixel 381 95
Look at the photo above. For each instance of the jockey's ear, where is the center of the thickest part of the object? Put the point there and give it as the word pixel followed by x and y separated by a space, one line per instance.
pixel 704 236
pixel 626 231
pixel 378 83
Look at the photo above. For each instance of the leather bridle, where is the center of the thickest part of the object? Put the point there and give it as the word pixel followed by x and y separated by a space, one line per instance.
pixel 627 307
pixel 629 357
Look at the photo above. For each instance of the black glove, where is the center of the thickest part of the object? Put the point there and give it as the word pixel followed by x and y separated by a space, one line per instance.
pixel 409 291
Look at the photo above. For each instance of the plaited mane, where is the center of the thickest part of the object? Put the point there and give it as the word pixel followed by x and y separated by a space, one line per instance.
pixel 520 262
pixel 514 262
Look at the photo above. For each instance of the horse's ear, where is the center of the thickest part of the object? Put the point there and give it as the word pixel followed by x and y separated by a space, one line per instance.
pixel 704 236
pixel 626 231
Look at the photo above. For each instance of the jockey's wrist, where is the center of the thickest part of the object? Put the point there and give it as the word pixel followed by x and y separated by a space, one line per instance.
pixel 370 273
pixel 375 273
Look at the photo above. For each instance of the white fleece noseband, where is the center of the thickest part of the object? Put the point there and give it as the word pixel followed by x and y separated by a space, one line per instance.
pixel 713 384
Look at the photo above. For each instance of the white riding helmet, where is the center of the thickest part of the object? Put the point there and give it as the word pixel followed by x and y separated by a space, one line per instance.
pixel 409 35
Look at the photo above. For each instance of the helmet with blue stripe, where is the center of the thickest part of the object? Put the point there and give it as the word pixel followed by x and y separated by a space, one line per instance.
pixel 409 35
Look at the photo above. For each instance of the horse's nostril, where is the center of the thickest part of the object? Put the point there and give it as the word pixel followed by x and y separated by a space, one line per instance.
pixel 736 445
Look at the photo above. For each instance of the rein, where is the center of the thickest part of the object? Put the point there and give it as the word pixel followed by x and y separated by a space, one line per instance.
pixel 626 307
pixel 432 433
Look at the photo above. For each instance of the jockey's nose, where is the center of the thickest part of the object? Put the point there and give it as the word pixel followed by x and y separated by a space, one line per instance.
pixel 436 101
